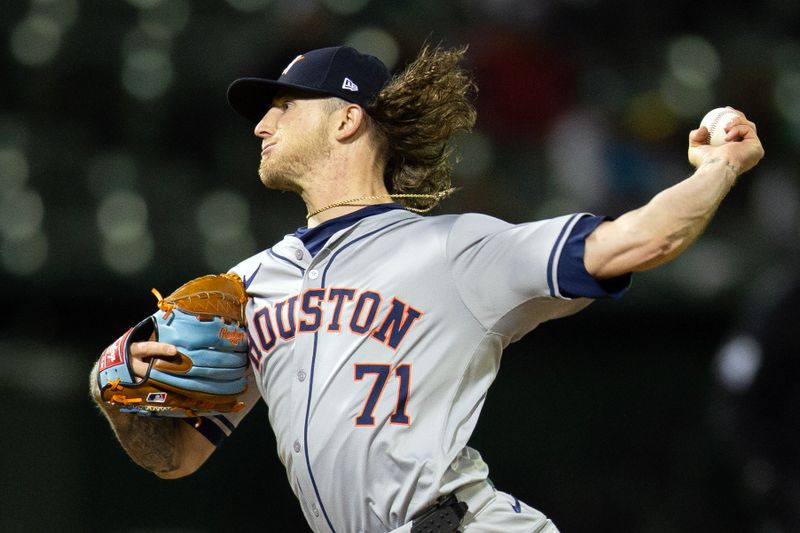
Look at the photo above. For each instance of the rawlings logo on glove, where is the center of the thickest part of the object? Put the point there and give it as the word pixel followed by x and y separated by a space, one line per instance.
pixel 204 320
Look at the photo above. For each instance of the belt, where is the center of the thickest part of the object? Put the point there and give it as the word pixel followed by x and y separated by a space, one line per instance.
pixel 447 514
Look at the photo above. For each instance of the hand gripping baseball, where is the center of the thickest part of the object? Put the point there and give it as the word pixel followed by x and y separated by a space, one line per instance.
pixel 198 362
pixel 741 150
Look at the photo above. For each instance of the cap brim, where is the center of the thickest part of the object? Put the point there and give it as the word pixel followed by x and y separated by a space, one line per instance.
pixel 252 97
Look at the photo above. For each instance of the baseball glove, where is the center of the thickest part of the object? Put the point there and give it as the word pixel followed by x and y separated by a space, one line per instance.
pixel 204 319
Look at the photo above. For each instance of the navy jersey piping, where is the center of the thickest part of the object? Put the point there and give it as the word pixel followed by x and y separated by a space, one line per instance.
pixel 224 421
pixel 248 281
pixel 550 281
pixel 286 260
pixel 313 364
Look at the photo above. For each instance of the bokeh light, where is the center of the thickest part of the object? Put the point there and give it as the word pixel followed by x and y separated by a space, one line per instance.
pixel 129 257
pixel 35 41
pixel 737 363
pixel 14 169
pixel 377 42
pixel 62 12
pixel 693 60
pixel 147 74
pixel 21 213
pixel 122 216
pixel 165 19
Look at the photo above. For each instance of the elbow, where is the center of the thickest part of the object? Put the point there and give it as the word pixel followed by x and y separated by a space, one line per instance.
pixel 175 474
pixel 186 468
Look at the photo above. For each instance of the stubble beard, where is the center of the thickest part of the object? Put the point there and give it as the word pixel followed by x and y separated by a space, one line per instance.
pixel 294 167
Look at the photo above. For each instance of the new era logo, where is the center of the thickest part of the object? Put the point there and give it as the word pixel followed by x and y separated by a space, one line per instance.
pixel 349 85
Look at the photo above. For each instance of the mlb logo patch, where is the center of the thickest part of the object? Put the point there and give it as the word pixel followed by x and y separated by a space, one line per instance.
pixel 156 397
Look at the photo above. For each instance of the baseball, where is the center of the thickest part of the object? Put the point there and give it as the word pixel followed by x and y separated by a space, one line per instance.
pixel 715 121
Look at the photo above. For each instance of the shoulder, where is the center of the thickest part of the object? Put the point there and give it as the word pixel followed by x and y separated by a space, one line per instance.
pixel 463 227
pixel 444 224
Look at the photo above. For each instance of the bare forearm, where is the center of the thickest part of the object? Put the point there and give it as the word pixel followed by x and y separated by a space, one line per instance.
pixel 153 443
pixel 662 229
pixel 680 214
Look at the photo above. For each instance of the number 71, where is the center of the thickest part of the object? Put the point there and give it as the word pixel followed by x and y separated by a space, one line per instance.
pixel 382 371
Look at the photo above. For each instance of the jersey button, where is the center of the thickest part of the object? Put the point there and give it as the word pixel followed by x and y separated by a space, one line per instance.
pixel 296 446
pixel 298 254
pixel 313 274
pixel 301 375
pixel 315 510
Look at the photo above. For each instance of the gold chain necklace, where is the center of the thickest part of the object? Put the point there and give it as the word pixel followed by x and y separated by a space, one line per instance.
pixel 353 201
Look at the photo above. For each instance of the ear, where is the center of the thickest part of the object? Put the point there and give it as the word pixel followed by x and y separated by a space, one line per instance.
pixel 348 122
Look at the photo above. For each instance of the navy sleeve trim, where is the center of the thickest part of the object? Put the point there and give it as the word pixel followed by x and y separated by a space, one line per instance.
pixel 552 277
pixel 228 424
pixel 573 279
pixel 212 432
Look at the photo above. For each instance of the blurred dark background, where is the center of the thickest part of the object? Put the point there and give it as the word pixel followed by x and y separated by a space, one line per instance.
pixel 122 168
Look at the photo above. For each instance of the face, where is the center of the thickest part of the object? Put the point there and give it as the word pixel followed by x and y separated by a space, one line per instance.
pixel 294 140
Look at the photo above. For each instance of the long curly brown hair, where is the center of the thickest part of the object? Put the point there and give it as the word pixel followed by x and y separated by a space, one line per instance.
pixel 415 116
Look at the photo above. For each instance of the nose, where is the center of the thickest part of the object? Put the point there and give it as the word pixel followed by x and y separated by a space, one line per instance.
pixel 266 126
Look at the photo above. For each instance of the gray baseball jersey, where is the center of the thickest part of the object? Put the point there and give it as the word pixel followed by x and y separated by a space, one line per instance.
pixel 374 339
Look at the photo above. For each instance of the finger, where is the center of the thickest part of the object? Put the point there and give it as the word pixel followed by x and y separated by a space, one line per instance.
pixel 698 136
pixel 139 367
pixel 740 120
pixel 142 352
pixel 147 349
pixel 739 133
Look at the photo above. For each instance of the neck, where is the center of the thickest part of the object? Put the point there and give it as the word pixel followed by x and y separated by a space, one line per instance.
pixel 347 182
pixel 344 206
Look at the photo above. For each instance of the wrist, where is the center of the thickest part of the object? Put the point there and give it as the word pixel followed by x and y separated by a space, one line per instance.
pixel 723 167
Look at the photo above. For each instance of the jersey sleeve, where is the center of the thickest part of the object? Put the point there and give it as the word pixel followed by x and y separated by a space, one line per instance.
pixel 218 427
pixel 573 281
pixel 513 277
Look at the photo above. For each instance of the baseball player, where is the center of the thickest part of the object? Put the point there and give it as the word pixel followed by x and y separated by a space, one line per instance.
pixel 374 332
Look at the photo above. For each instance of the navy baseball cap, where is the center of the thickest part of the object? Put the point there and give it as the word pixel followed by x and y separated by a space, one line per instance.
pixel 339 71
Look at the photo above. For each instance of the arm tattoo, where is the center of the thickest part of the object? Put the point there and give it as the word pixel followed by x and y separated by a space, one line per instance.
pixel 153 443
pixel 728 166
